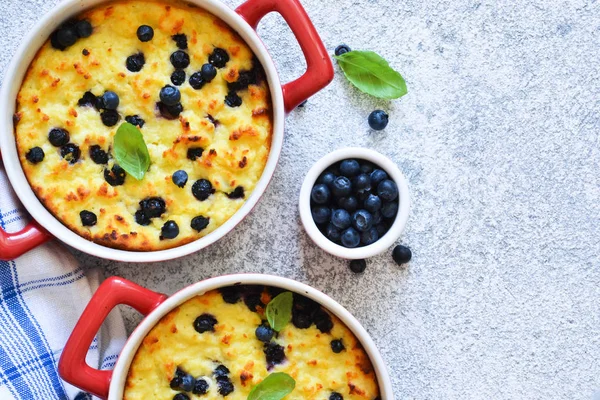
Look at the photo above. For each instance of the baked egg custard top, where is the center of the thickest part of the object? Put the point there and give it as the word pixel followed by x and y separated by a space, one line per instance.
pixel 219 344
pixel 198 96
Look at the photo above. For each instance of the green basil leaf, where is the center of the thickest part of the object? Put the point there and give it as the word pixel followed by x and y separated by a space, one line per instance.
pixel 369 72
pixel 130 150
pixel 279 311
pixel 274 387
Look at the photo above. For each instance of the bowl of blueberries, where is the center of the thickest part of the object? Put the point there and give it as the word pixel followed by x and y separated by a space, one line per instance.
pixel 354 203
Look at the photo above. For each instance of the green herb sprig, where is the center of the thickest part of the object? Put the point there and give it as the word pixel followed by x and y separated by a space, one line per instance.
pixel 274 387
pixel 131 151
pixel 279 311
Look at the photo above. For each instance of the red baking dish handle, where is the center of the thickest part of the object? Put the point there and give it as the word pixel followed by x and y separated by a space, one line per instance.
pixel 319 70
pixel 112 292
pixel 12 245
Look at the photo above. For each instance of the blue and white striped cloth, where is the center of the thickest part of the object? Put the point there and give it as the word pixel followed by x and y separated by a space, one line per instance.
pixel 42 295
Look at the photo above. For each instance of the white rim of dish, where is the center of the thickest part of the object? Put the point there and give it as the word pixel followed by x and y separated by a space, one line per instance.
pixel 390 236
pixel 12 83
pixel 122 366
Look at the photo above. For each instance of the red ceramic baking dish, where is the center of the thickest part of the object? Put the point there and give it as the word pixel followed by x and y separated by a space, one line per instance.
pixel 284 97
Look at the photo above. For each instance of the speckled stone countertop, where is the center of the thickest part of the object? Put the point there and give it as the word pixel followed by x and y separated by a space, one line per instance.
pixel 499 139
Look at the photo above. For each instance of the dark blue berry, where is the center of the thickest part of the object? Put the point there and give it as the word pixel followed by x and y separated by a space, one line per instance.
pixel 333 233
pixel 362 195
pixel 114 176
pixel 321 214
pixel 377 176
pixel 335 396
pixel 389 209
pixel 350 238
pixel 323 321
pixel 196 81
pixel 180 40
pixel 382 228
pixel 170 112
pixel 362 220
pixel 181 396
pixel 135 62
pixel 372 203
pixel 225 386
pixel 337 346
pixel 145 33
pixel 88 218
pixel 180 59
pixel 141 218
pixel 349 203
pixel 230 294
pixel 401 254
pixel 377 217
pixel 387 190
pixel 341 186
pixel 66 36
pixel 349 168
pixel 342 49
pixel 366 167
pixel 153 207
pixel 320 193
pixel 238 193
pixel 205 323
pixel 180 178
pixel 274 353
pixel 208 72
pixel 221 371
pixel 200 387
pixel 201 189
pixel 87 100
pixel 110 100
pixel 83 28
pixel 109 117
pixel 169 230
pixel 178 77
pixel 98 155
pixel 326 178
pixel 358 266
pixel 341 219
pixel 193 153
pixel 170 95
pixel 361 183
pixel 70 152
pixel 35 155
pixel 369 236
pixel 218 58
pixel 301 320
pixel 199 223
pixel 233 99
pixel 378 120
pixel 135 120
pixel 85 52
pixel 264 333
pixel 58 137
pixel 187 383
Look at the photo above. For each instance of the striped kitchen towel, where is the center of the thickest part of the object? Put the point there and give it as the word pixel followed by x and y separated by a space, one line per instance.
pixel 42 295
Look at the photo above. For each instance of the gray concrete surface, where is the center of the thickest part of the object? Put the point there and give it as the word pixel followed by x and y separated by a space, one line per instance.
pixel 499 139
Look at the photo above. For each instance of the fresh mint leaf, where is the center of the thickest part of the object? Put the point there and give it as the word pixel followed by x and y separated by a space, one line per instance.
pixel 274 387
pixel 130 150
pixel 370 73
pixel 279 311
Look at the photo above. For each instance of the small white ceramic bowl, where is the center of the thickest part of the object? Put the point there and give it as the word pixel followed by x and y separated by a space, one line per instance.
pixel 390 236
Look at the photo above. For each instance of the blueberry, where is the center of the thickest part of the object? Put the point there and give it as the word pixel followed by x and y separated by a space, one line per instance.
pixel 66 36
pixel 363 195
pixel 401 254
pixel 196 81
pixel 58 137
pixel 230 294
pixel 135 120
pixel 221 371
pixel 337 346
pixel 205 323
pixel 253 300
pixel 145 33
pixel 264 333
pixel 350 238
pixel 389 209
pixel 180 59
pixel 238 193
pixel 218 58
pixel 98 155
pixel 200 387
pixel 377 217
pixel 372 203
pixel 341 186
pixel 335 396
pixel 110 100
pixel 153 207
pixel 333 233
pixel 326 178
pixel 321 214
pixel 233 100
pixel 135 62
pixel 115 176
pixel 181 396
pixel 83 28
pixel 341 219
pixel 361 183
pixel 301 320
pixel 358 266
pixel 369 236
pixel 169 230
pixel 201 189
pixel 225 386
pixel 187 383
pixel 323 321
pixel 141 218
pixel 180 40
pixel 362 220
pixel 178 77
pixel 35 155
pixel 70 152
pixel 382 228
pixel 87 100
pixel 170 112
pixel 208 72
pixel 193 153
pixel 85 52
pixel 109 117
pixel 387 190
pixel 170 95
pixel 274 354
pixel 349 168
pixel 245 78
pixel 378 120
pixel 342 49
pixel 320 194
pixel 179 178
pixel 199 223
pixel 349 203
pixel 366 167
pixel 377 176
pixel 88 218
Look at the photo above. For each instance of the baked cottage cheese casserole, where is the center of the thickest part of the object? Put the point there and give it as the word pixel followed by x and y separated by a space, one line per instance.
pixel 220 344
pixel 190 85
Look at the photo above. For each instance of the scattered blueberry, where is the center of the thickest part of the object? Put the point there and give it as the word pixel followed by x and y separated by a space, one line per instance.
pixel 200 387
pixel 187 383
pixel 88 218
pixel 66 36
pixel 169 112
pixel 245 78
pixel 193 153
pixel 109 117
pixel 170 95
pixel 342 49
pixel 114 176
pixel 369 236
pixel 178 77
pixel 301 320
pixel 231 294
pixel 135 120
pixel 225 386
pixel 389 210
pixel 169 230
pixel 201 189
pixel 238 193
pixel 401 254
pixel 333 233
pixel 141 218
pixel 83 28
pixel 387 190
pixel 221 371
pixel 87 100
pixel 218 58
pixel 366 167
pixel 85 52
pixel 337 346
pixel 196 81
pixel 153 207
pixel 377 176
pixel 180 40
pixel 98 155
pixel 70 152
pixel 110 100
pixel 205 323
pixel 321 214
pixel 208 72
pixel 181 396
pixel 350 238
pixel 341 186
pixel 145 33
pixel 35 155
pixel 180 59
pixel 372 203
pixel 323 321
pixel 320 193
pixel 361 182
pixel 378 120
pixel 264 333
pixel 135 62
pixel 377 217
pixel 274 353
pixel 327 178
pixel 179 178
pixel 341 219
pixel 58 137
pixel 199 223
pixel 233 99
pixel 335 396
pixel 362 220
pixel 358 266
pixel 349 203
pixel 349 168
